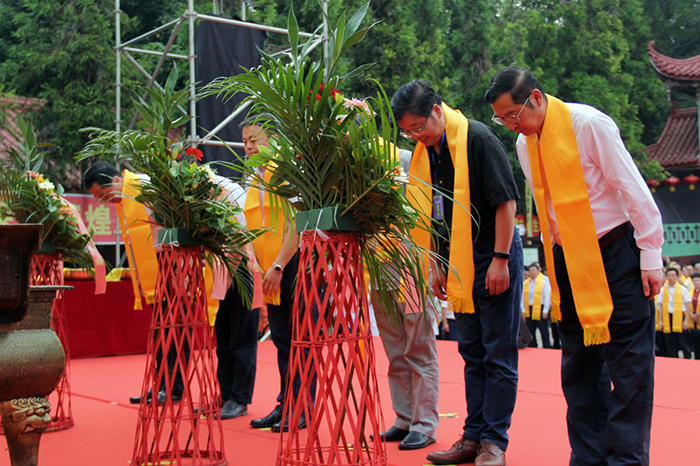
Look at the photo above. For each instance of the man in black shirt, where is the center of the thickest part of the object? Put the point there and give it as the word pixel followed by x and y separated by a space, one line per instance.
pixel 488 316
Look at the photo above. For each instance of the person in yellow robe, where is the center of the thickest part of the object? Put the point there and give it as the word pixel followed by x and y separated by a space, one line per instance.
pixel 603 235
pixel 461 177
pixel 694 315
pixel 276 251
pixel 536 305
pixel 673 306
pixel 139 233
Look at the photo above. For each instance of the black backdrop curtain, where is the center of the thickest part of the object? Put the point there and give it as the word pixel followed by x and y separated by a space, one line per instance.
pixel 223 50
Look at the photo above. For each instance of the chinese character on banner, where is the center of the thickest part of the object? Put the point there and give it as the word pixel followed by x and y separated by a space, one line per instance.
pixel 99 219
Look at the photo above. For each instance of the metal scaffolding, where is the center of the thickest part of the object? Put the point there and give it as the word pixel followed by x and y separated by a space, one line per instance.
pixel 127 50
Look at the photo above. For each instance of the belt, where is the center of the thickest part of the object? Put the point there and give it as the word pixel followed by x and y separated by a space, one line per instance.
pixel 613 235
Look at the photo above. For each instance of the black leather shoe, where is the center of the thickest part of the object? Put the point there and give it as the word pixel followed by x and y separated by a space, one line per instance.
pixel 415 440
pixel 134 400
pixel 278 426
pixel 232 410
pixel 162 396
pixel 394 434
pixel 268 421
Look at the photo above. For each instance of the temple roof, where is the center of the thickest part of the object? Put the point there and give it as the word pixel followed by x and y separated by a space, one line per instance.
pixel 687 69
pixel 678 145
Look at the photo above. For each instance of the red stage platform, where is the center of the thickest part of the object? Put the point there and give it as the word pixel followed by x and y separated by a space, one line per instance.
pixel 105 423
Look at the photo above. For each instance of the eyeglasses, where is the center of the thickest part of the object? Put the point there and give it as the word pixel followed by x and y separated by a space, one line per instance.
pixel 416 132
pixel 502 121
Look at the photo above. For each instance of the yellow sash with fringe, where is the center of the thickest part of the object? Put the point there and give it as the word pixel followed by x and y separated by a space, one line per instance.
pixel 556 170
pixel 536 312
pixel 267 246
pixel 138 240
pixel 420 193
pixel 678 313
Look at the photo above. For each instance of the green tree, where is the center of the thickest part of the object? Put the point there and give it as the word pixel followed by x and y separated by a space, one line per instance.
pixel 588 51
pixel 60 51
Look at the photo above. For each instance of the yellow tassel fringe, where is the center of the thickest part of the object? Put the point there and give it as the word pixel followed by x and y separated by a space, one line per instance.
pixel 596 335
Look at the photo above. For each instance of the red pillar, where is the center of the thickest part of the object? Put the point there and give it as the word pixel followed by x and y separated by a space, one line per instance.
pixel 332 343
pixel 185 432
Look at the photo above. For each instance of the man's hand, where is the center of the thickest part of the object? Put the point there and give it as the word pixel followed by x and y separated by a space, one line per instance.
pixel 497 277
pixel 686 325
pixel 271 282
pixel 438 282
pixel 545 315
pixel 652 280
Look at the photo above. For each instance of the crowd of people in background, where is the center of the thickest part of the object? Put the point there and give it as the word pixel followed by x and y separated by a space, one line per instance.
pixel 678 312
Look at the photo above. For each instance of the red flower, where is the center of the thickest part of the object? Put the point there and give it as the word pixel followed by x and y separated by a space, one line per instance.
pixel 194 152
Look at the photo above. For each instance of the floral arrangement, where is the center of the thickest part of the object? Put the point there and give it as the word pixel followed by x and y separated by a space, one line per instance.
pixel 331 151
pixel 28 197
pixel 180 192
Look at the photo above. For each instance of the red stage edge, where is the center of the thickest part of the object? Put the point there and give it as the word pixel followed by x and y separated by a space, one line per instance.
pixel 189 431
pixel 332 355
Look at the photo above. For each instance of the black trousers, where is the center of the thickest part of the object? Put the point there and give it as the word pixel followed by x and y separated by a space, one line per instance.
pixel 556 343
pixel 609 427
pixel 543 326
pixel 171 362
pixel 236 330
pixel 674 342
pixel 280 318
pixel 695 341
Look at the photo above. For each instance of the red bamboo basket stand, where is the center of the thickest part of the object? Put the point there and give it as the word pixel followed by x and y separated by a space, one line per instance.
pixel 332 350
pixel 189 431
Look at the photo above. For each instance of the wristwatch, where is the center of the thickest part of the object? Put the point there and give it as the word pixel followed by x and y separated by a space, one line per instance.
pixel 278 268
pixel 501 255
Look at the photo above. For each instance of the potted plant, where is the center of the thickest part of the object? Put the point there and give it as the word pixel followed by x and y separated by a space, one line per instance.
pixel 335 162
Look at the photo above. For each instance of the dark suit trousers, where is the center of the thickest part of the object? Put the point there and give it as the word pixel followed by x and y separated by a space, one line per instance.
pixel 236 331
pixel 609 427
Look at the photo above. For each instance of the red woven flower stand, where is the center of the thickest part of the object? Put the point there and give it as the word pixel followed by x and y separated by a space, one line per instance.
pixel 185 432
pixel 331 342
pixel 47 269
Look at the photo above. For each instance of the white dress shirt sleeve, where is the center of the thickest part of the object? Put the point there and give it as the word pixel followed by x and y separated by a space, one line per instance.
pixel 546 297
pixel 607 150
pixel 235 194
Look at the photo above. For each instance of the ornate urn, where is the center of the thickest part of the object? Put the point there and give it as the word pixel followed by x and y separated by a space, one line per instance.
pixel 31 355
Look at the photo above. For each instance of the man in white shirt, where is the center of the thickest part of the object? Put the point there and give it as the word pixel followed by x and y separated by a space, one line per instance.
pixel 536 304
pixel 237 350
pixel 610 427
pixel 667 303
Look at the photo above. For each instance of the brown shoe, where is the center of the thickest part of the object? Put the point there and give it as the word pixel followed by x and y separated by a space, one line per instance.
pixel 490 455
pixel 463 451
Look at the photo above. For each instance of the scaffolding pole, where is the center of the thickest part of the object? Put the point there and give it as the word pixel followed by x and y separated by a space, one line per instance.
pixel 192 15
pixel 118 109
pixel 124 48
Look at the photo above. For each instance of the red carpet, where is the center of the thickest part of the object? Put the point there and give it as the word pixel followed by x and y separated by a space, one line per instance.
pixel 105 422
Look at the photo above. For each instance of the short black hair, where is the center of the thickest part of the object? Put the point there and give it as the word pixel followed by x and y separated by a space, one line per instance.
pixel 672 269
pixel 534 264
pixel 519 81
pixel 260 119
pixel 416 97
pixel 101 173
pixel 695 275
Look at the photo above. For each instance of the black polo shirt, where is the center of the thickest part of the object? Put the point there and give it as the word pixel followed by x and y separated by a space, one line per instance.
pixel 491 181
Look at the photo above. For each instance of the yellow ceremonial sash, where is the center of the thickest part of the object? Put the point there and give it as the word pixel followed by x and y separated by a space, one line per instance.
pixel 267 246
pixel 556 170
pixel 419 192
pixel 678 313
pixel 537 300
pixel 138 240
